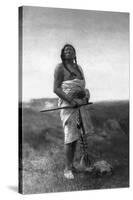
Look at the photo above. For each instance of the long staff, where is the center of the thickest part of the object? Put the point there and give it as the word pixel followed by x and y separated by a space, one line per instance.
pixel 85 160
pixel 65 107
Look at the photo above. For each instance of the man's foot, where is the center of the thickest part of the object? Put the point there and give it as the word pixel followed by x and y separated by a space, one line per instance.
pixel 68 174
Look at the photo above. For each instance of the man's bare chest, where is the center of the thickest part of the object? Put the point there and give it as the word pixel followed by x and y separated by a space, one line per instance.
pixel 71 72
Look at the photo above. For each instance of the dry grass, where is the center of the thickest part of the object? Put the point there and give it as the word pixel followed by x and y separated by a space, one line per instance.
pixel 43 154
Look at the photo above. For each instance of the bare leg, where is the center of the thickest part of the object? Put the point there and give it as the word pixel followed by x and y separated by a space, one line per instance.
pixel 69 152
pixel 73 150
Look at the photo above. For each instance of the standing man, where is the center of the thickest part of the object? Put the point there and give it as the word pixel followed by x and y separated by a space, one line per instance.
pixel 69 85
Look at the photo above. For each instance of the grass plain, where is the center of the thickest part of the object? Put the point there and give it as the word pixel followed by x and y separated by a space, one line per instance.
pixel 43 153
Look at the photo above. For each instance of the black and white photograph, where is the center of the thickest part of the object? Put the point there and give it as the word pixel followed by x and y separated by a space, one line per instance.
pixel 73 100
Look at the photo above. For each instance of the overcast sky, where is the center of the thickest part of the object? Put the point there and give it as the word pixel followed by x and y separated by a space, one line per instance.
pixel 101 40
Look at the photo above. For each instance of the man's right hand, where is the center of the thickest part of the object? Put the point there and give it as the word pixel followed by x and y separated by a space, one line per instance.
pixel 74 103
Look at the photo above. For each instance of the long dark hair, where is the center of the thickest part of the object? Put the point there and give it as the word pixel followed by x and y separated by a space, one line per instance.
pixel 75 59
pixel 62 52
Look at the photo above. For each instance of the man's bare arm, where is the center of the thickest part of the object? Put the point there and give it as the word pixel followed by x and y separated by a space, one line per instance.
pixel 58 79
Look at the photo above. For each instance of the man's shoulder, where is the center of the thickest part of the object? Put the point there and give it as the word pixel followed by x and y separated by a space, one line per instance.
pixel 80 68
pixel 59 67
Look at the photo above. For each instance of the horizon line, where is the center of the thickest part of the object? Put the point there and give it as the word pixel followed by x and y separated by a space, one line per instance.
pixel 98 101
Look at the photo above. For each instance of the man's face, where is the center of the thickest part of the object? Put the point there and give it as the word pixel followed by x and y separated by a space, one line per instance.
pixel 69 52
